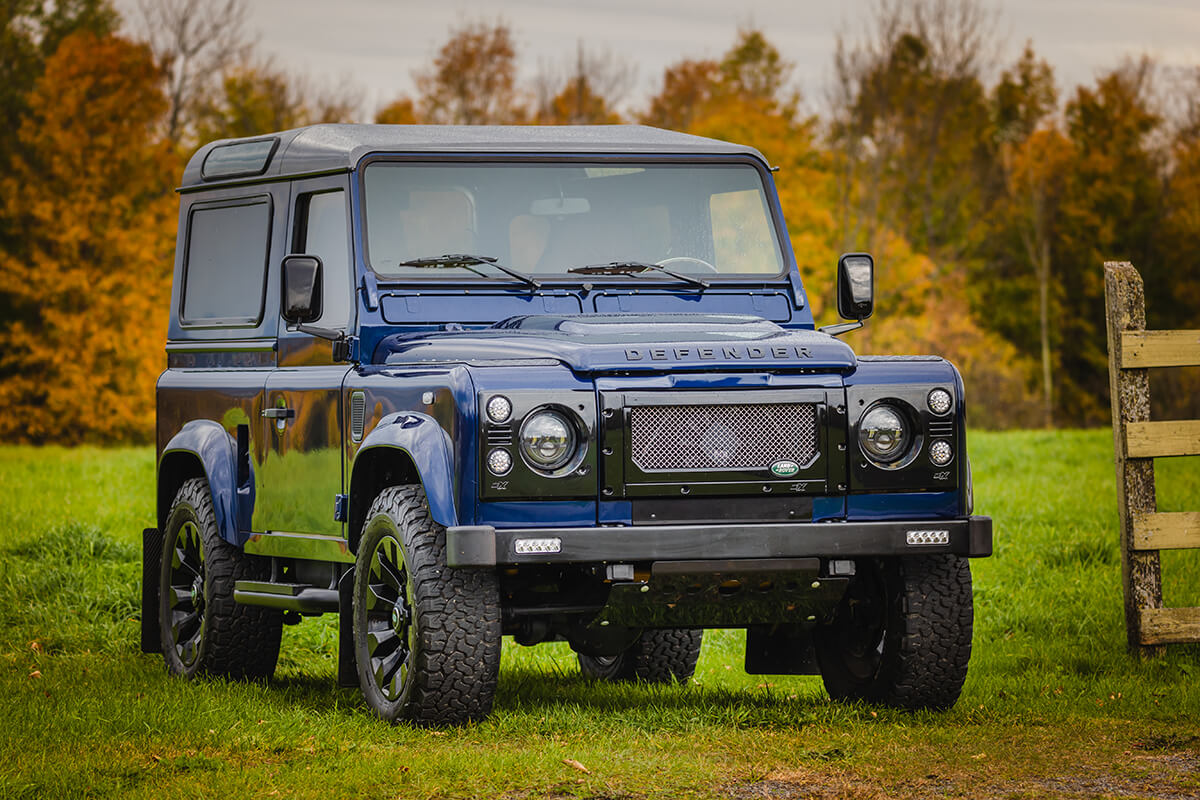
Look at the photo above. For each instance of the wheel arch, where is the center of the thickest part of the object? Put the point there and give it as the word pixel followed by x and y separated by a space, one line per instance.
pixel 202 449
pixel 405 448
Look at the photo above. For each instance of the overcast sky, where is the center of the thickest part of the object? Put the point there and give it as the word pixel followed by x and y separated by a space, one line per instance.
pixel 376 44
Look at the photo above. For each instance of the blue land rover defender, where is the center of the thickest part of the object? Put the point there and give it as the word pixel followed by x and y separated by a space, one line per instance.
pixel 453 383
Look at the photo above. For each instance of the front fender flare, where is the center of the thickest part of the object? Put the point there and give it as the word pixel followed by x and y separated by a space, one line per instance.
pixel 210 444
pixel 428 447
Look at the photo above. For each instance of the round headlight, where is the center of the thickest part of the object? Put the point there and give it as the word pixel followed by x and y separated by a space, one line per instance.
pixel 939 401
pixel 940 453
pixel 498 408
pixel 499 462
pixel 548 439
pixel 883 435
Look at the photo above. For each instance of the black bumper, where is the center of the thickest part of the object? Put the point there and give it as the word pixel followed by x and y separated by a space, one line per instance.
pixel 486 546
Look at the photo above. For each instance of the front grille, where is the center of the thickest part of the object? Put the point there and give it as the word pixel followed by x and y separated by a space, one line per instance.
pixel 721 437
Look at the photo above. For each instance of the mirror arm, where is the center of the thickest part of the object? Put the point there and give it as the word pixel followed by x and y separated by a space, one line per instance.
pixel 343 345
pixel 321 333
pixel 841 327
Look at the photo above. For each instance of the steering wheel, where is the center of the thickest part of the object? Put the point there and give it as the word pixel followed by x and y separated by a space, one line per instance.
pixel 666 262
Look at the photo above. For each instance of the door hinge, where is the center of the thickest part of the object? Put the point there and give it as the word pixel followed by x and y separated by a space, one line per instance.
pixel 341 508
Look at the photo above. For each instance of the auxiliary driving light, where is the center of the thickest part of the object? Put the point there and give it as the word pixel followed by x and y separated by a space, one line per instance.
pixel 940 453
pixel 499 462
pixel 499 408
pixel 525 547
pixel 939 401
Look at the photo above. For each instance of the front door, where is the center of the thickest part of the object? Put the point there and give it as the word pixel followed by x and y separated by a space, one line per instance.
pixel 303 418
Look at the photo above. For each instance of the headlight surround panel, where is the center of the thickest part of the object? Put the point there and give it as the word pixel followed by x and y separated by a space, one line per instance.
pixel 914 470
pixel 574 478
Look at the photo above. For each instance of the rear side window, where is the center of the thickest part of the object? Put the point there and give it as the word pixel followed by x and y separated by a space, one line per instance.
pixel 226 269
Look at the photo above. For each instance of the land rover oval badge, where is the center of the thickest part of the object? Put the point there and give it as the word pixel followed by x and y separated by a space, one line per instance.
pixel 785 469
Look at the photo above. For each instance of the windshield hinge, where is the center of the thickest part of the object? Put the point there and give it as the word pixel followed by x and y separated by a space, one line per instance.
pixel 370 290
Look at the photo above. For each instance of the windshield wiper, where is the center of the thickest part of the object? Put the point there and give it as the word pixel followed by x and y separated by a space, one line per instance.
pixel 467 261
pixel 634 268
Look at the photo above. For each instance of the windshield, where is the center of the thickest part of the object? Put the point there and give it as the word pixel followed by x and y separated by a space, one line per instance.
pixel 544 219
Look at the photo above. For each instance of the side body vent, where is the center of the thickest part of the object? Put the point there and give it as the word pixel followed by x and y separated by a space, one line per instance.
pixel 358 415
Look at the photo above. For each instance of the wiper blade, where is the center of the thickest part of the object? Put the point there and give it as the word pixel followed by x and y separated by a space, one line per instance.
pixel 634 268
pixel 466 261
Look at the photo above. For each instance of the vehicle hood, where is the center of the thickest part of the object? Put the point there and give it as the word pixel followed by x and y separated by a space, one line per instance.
pixel 627 343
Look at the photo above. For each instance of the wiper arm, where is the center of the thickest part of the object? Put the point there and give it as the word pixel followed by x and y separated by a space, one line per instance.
pixel 467 260
pixel 634 268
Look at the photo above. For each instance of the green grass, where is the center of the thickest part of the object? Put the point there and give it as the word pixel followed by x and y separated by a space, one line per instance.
pixel 1053 705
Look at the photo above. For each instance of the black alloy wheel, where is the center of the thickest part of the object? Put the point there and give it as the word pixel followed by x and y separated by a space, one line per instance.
pixel 390 625
pixel 184 589
pixel 426 637
pixel 202 629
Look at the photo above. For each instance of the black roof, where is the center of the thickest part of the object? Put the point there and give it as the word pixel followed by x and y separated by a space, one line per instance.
pixel 329 148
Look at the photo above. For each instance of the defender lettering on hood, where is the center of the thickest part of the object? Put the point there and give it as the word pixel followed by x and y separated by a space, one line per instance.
pixel 610 342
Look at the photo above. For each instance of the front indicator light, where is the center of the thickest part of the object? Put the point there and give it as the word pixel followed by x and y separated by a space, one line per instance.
pixel 499 408
pixel 939 401
pixel 941 453
pixel 882 434
pixel 499 462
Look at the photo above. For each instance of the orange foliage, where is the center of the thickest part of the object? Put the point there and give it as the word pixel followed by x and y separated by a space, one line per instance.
pixel 89 280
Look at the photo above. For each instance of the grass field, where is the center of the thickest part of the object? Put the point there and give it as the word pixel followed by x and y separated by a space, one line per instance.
pixel 1053 705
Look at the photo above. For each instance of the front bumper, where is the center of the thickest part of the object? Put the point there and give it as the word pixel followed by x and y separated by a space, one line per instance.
pixel 486 546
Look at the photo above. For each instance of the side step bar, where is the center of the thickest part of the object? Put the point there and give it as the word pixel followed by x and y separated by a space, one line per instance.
pixel 286 596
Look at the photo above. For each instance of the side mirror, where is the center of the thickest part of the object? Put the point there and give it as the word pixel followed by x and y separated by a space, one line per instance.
pixel 301 289
pixel 856 286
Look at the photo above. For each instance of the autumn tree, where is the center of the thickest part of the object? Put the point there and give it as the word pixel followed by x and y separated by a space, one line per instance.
pixel 1034 159
pixel 91 195
pixel 585 94
pixel 256 98
pixel 473 79
pixel 30 32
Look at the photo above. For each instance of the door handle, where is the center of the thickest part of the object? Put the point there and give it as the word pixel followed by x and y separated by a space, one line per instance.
pixel 279 413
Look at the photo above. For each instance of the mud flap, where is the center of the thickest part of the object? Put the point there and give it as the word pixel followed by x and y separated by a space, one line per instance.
pixel 347 671
pixel 152 554
pixel 780 650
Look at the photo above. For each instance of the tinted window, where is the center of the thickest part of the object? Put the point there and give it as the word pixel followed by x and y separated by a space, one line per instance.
pixel 244 158
pixel 226 263
pixel 322 233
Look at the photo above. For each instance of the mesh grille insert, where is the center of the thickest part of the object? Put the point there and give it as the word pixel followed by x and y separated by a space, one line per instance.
pixel 717 437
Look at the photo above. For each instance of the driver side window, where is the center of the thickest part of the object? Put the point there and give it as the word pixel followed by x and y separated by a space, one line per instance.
pixel 321 231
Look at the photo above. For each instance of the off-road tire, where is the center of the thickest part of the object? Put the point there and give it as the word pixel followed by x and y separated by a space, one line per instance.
pixel 923 616
pixel 662 655
pixel 234 640
pixel 452 637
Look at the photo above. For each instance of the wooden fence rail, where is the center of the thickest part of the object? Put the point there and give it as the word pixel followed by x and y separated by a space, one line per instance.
pixel 1136 443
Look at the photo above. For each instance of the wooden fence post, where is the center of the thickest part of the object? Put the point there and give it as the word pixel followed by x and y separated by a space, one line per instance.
pixel 1125 310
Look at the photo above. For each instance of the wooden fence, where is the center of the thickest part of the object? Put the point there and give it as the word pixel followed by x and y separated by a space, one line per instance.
pixel 1137 441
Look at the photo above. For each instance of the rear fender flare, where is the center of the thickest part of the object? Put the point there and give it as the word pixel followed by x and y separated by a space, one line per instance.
pixel 207 443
